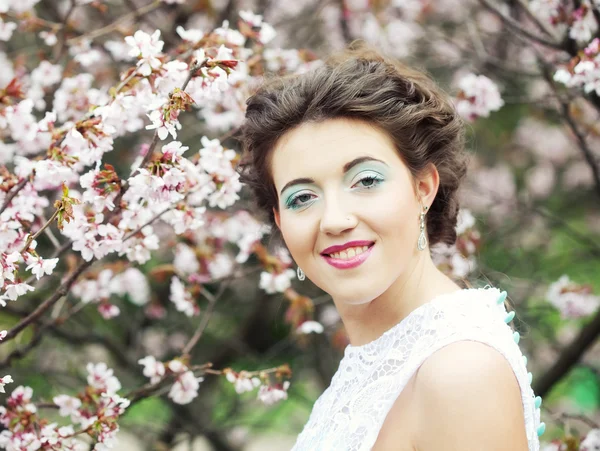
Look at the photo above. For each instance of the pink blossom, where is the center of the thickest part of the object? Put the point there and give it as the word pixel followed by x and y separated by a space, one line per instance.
pixel 266 32
pixel 20 398
pixel 182 298
pixel 5 380
pixel 13 291
pixel 541 180
pixel 68 406
pixel 220 266
pixel 185 260
pixel 242 381
pixel 591 441
pixel 573 300
pixel 584 25
pixel 153 369
pixel 270 395
pixel 163 127
pixel 191 35
pixel 46 74
pixel 478 97
pixel 49 38
pixel 18 6
pixel 177 366
pixel 108 310
pixel 174 151
pixel 185 388
pixel 101 378
pixel 274 283
pixel 133 283
pixel 146 48
pixel 6 30
pixel 40 266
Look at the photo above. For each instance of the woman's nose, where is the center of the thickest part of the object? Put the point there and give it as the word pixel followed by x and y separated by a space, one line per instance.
pixel 336 219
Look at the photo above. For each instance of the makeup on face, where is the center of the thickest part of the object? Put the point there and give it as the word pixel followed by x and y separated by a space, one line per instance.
pixel 362 173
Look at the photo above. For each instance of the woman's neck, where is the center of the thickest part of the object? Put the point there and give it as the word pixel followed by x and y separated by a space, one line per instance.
pixel 422 282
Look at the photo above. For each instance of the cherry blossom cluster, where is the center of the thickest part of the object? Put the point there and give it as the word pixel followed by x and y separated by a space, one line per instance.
pixel 571 299
pixel 591 441
pixel 478 96
pixel 268 393
pixel 584 70
pixel 93 413
pixel 56 127
pixel 579 21
pixel 459 260
pixel 100 288
pixel 186 384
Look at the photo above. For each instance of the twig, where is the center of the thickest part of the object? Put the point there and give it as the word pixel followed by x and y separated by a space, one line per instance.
pixel 512 23
pixel 21 352
pixel 212 300
pixel 147 223
pixel 125 81
pixel 62 291
pixel 33 237
pixel 52 238
pixel 59 48
pixel 534 19
pixel 569 357
pixel 13 193
pixel 67 284
pixel 583 145
pixel 559 416
pixel 113 26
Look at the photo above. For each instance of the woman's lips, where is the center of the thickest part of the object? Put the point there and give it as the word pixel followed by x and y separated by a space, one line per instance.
pixel 350 262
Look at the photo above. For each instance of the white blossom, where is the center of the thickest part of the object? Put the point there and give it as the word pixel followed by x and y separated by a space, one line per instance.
pixel 101 377
pixel 6 30
pixel 153 369
pixel 479 96
pixel 308 327
pixel 273 283
pixel 185 388
pixel 270 395
pixel 5 380
pixel 591 442
pixel 573 300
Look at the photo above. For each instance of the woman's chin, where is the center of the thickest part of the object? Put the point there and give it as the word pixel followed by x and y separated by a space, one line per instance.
pixel 354 297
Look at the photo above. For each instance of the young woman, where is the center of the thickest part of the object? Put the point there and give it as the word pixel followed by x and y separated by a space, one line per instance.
pixel 357 165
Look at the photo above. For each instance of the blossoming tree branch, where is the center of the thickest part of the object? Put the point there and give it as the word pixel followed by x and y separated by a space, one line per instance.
pixel 122 214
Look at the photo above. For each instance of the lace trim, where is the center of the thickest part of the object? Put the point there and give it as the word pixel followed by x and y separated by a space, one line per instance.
pixel 350 413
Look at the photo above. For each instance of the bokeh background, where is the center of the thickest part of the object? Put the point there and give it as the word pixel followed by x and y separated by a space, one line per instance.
pixel 526 77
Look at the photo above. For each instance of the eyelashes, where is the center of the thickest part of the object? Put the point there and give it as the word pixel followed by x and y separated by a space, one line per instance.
pixel 303 198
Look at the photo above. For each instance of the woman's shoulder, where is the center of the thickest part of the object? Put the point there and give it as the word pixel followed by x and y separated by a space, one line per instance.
pixel 468 384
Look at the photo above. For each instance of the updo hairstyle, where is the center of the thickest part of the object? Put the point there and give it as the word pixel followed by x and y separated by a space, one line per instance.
pixel 361 84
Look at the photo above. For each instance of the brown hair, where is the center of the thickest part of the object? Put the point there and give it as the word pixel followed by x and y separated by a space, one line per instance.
pixel 360 83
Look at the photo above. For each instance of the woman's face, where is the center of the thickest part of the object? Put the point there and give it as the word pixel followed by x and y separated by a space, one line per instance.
pixel 342 181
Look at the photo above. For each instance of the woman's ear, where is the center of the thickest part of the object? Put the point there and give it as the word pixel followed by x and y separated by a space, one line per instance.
pixel 276 216
pixel 428 184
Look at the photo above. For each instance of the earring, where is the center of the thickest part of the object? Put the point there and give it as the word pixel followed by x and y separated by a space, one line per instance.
pixel 422 243
pixel 300 274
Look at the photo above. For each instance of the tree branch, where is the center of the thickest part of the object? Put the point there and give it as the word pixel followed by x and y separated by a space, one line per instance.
pixel 569 357
pixel 516 26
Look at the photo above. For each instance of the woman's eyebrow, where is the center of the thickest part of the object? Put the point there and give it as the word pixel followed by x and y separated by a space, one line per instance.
pixel 347 167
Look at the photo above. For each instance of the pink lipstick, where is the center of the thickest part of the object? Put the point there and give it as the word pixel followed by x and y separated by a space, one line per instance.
pixel 348 262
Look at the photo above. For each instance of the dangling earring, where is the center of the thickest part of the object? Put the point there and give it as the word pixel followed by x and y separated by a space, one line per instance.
pixel 300 274
pixel 422 243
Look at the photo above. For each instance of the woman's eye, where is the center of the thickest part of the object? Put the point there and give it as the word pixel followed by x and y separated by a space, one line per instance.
pixel 370 181
pixel 299 200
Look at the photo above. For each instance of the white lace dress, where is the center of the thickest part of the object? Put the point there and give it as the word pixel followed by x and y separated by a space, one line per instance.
pixel 350 413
